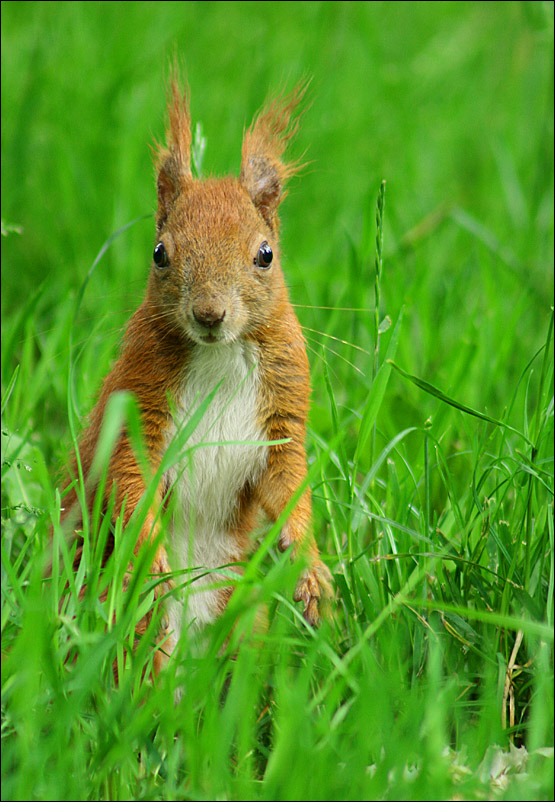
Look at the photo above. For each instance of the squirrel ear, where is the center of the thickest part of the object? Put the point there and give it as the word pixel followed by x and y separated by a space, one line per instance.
pixel 263 173
pixel 173 166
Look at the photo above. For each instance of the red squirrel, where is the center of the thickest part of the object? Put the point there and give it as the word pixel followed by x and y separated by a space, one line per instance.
pixel 216 311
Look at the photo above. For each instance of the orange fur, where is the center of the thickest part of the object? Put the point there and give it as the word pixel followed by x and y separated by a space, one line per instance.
pixel 213 294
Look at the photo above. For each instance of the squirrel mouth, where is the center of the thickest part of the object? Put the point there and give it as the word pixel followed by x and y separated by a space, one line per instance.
pixel 210 335
pixel 210 338
pixel 203 334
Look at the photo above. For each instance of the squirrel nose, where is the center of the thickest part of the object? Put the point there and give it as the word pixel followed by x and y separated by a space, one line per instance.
pixel 208 316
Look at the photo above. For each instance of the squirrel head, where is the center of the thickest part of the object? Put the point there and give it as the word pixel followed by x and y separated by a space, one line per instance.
pixel 216 273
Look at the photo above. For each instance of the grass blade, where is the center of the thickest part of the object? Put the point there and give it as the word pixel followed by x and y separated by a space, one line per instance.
pixel 431 390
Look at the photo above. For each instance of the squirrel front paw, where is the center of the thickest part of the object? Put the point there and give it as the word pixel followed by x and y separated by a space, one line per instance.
pixel 160 566
pixel 314 588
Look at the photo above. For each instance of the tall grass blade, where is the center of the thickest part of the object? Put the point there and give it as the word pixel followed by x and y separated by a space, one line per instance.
pixel 434 391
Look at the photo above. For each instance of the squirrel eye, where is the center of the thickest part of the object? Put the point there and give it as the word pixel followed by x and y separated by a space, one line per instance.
pixel 264 256
pixel 160 256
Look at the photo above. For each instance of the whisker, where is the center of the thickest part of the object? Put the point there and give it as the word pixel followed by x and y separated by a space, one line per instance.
pixel 337 339
pixel 319 355
pixel 333 308
pixel 327 347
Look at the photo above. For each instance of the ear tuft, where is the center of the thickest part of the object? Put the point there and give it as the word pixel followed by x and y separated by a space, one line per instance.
pixel 263 173
pixel 173 165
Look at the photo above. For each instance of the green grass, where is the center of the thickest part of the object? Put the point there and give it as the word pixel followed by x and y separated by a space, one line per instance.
pixel 431 458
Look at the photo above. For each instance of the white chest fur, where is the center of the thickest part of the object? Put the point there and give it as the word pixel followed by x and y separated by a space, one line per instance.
pixel 219 458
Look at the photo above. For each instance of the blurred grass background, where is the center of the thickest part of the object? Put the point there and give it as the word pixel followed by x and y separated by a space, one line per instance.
pixel 452 104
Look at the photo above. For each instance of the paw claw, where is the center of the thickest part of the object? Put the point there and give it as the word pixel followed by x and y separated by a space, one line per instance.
pixel 161 566
pixel 314 589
